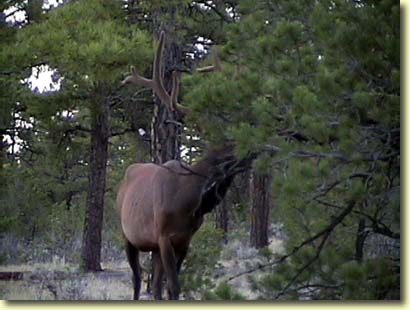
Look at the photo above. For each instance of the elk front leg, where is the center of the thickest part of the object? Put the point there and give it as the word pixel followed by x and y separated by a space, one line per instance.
pixel 180 255
pixel 169 263
pixel 158 273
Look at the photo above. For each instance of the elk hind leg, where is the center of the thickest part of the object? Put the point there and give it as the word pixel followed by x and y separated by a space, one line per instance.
pixel 180 258
pixel 133 259
pixel 158 275
pixel 169 263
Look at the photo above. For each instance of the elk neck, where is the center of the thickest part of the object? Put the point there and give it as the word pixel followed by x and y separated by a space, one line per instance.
pixel 216 183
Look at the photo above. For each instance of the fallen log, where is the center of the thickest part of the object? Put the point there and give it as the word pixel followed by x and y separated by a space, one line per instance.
pixel 11 275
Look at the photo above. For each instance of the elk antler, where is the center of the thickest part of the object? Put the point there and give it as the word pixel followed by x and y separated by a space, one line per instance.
pixel 216 67
pixel 156 83
pixel 174 95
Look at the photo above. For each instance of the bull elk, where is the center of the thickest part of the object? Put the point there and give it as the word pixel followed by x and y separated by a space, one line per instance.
pixel 162 206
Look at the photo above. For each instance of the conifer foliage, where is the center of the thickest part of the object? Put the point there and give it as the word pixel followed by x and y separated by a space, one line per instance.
pixel 312 86
pixel 319 81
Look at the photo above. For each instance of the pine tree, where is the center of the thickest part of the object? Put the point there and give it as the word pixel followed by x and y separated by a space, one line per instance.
pixel 319 84
pixel 90 56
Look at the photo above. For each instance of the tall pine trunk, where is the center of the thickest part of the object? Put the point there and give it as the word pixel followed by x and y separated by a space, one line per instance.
pixel 222 218
pixel 260 194
pixel 166 126
pixel 165 134
pixel 93 222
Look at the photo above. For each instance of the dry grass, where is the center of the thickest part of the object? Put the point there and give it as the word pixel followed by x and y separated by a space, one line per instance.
pixel 56 264
pixel 239 257
pixel 21 290
pixel 59 281
pixel 88 288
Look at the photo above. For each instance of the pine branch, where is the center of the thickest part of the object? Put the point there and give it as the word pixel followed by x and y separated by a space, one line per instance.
pixel 24 68
pixel 346 160
pixel 382 229
pixel 324 233
pixel 121 132
pixel 13 12
pixel 308 264
pixel 378 227
pixel 223 15
pixel 324 189
pixel 307 154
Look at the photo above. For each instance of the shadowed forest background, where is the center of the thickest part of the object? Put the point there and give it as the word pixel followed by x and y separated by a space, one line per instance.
pixel 314 86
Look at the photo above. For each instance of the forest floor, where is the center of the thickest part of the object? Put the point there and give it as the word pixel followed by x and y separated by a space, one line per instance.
pixel 65 282
pixel 59 280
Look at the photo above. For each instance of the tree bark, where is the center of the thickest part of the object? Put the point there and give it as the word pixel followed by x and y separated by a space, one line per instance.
pixel 93 221
pixel 260 194
pixel 360 239
pixel 165 134
pixel 222 218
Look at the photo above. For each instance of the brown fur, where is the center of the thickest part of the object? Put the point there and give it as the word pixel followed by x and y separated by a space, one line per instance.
pixel 162 206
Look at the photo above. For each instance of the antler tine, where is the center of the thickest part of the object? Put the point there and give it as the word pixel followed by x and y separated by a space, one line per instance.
pixel 135 78
pixel 174 95
pixel 174 90
pixel 158 84
pixel 216 67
